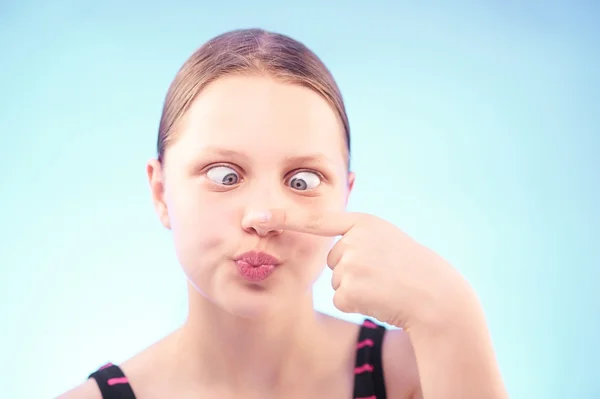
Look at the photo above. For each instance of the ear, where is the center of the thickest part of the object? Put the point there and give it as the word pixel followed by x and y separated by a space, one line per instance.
pixel 351 178
pixel 156 179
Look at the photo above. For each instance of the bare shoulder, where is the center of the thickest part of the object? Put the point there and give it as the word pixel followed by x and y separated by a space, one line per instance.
pixel 398 358
pixel 87 390
pixel 400 366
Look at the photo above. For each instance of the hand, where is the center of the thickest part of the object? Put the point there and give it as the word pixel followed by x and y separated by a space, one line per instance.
pixel 378 270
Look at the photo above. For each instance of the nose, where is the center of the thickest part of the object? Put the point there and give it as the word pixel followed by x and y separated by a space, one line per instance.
pixel 252 223
pixel 260 199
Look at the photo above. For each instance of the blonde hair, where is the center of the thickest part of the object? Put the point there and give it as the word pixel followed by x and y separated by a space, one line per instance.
pixel 247 51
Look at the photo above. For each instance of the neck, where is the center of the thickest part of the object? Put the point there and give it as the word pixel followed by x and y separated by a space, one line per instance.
pixel 258 354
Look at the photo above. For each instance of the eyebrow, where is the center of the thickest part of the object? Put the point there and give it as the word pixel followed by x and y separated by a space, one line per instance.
pixel 223 152
pixel 318 157
pixel 308 159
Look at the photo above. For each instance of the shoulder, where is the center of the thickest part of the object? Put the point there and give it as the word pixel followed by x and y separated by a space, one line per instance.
pixel 398 360
pixel 400 366
pixel 132 372
pixel 87 390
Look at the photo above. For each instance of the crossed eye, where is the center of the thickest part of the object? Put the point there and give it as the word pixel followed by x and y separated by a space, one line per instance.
pixel 227 176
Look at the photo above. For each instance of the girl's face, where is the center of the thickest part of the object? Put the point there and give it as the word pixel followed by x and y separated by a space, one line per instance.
pixel 251 144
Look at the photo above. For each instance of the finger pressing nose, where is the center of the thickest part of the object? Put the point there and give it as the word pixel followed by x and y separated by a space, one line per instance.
pixel 258 222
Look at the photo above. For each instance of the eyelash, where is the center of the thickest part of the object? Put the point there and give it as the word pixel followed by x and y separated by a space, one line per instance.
pixel 238 171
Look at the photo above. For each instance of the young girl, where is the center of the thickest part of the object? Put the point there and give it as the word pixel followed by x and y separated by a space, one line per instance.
pixel 252 178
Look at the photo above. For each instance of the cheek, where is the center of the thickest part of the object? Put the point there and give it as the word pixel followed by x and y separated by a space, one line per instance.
pixel 201 227
pixel 313 249
pixel 311 253
pixel 313 245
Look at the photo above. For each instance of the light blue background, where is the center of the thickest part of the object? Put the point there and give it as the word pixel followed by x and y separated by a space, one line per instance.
pixel 475 129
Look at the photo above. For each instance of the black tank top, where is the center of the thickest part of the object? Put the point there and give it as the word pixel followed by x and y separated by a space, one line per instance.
pixel 368 370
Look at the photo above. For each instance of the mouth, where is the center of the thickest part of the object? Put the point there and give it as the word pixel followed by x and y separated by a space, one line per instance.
pixel 256 259
pixel 256 266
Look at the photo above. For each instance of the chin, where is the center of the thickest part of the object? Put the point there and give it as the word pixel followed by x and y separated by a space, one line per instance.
pixel 227 291
pixel 252 302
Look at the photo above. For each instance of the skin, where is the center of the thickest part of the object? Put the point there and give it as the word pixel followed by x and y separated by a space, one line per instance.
pixel 250 340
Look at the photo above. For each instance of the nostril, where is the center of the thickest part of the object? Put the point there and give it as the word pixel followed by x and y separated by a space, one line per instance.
pixel 263 232
pixel 257 222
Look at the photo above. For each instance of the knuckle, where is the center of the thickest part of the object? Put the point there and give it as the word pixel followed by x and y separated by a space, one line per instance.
pixel 340 301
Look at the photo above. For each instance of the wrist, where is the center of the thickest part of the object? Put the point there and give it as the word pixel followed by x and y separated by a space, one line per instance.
pixel 455 356
pixel 454 310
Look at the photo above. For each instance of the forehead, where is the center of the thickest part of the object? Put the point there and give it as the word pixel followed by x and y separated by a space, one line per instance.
pixel 262 115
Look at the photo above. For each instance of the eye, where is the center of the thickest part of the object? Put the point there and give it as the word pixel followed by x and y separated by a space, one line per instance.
pixel 223 175
pixel 302 181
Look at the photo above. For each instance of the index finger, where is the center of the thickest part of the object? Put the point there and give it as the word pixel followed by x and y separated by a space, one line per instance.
pixel 327 223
